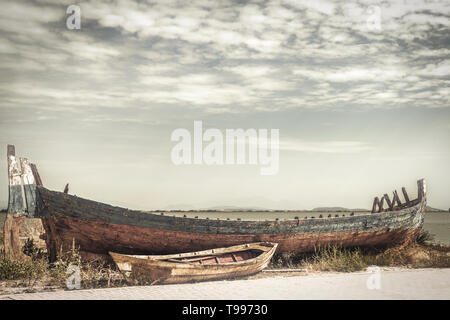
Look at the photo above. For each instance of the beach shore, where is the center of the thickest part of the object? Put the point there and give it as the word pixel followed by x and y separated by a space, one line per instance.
pixel 382 283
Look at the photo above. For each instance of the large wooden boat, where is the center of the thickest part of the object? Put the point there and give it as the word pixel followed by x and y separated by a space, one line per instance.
pixel 99 228
pixel 214 264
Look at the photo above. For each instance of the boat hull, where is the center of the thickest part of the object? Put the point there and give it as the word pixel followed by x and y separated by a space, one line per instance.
pixel 99 228
pixel 157 269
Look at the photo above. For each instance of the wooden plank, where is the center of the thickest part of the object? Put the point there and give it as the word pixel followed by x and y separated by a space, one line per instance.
pixel 405 195
pixel 388 201
pixel 21 201
pixel 11 239
pixel 381 205
pixel 175 260
pixel 29 187
pixel 421 189
pixel 396 199
pixel 36 175
pixel 376 203
pixel 16 203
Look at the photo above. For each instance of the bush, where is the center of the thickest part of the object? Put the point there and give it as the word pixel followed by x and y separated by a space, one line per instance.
pixel 425 237
pixel 28 270
pixel 36 268
pixel 340 259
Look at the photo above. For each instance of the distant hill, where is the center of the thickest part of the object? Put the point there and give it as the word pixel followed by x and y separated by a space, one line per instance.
pixel 430 209
pixel 183 207
pixel 179 207
pixel 341 209
pixel 336 209
pixel 234 208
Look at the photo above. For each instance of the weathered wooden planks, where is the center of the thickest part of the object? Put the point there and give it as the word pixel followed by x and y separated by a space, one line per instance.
pixel 22 184
pixel 193 266
pixel 421 189
pixel 36 175
pixel 405 195
pixel 396 204
pixel 16 201
pixel 29 187
pixel 99 228
pixel 11 239
pixel 396 200
pixel 377 204
pixel 388 201
pixel 19 223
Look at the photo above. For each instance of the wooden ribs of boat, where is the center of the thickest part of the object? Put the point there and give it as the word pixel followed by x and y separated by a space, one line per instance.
pixel 220 263
pixel 99 228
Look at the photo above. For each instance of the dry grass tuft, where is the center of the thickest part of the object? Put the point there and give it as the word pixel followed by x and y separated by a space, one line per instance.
pixel 419 254
pixel 37 271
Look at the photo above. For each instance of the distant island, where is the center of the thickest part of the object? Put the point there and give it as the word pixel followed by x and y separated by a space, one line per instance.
pixel 260 209
pixel 337 209
pixel 341 209
pixel 430 209
pixel 234 208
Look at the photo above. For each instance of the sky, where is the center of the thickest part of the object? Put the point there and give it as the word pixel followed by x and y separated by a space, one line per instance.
pixel 359 91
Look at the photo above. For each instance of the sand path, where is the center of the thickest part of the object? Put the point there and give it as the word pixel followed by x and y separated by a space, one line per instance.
pixel 387 284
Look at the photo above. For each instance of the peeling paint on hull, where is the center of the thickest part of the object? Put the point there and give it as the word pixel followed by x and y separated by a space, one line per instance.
pixel 98 228
pixel 219 263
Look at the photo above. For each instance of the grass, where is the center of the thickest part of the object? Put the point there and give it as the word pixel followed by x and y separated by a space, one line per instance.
pixel 36 273
pixel 422 253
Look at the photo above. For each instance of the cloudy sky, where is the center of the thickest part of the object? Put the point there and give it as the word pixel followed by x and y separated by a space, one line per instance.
pixel 358 89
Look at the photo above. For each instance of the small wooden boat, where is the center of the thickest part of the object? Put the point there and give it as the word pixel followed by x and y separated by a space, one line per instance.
pixel 99 228
pixel 215 264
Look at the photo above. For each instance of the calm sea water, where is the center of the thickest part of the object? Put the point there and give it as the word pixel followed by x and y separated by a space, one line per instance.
pixel 437 223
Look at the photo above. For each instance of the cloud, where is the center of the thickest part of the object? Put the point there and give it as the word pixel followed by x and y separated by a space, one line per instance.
pixel 225 57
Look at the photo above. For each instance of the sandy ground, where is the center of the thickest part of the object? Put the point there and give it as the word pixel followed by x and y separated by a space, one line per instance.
pixel 386 283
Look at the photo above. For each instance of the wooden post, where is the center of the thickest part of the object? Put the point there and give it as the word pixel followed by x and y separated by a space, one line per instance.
pixel 36 175
pixel 21 202
pixel 396 199
pixel 377 203
pixel 405 195
pixel 421 189
pixel 16 203
pixel 388 201
pixel 29 186
pixel 11 239
pixel 381 204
